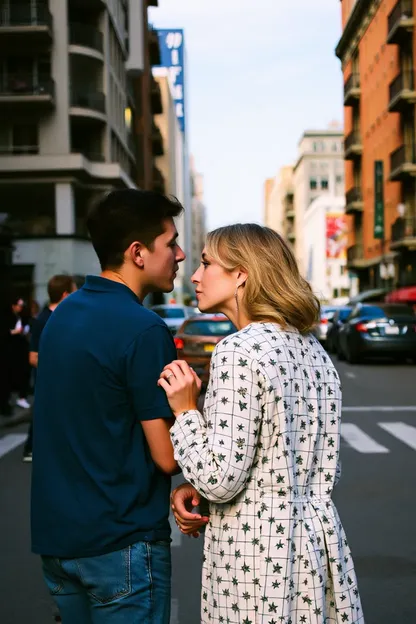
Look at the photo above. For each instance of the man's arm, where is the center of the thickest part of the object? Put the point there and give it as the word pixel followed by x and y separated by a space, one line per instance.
pixel 33 358
pixel 145 359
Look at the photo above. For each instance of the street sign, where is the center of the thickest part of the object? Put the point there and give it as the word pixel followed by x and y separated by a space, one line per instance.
pixel 172 54
pixel 378 200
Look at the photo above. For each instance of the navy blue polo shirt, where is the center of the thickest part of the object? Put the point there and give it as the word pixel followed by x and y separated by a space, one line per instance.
pixel 95 487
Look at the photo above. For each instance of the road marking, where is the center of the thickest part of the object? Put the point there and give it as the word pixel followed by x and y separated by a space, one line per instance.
pixel 174 611
pixel 176 534
pixel 10 442
pixel 379 408
pixel 403 432
pixel 350 375
pixel 360 441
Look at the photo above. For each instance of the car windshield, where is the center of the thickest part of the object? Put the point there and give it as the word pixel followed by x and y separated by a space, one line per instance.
pixel 344 314
pixel 209 328
pixel 170 313
pixel 328 313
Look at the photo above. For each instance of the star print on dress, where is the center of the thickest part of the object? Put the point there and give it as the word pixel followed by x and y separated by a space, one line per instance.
pixel 265 454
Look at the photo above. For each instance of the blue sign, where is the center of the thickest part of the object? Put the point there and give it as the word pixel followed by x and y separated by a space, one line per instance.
pixel 173 58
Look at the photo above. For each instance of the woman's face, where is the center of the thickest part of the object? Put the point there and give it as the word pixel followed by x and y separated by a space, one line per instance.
pixel 215 287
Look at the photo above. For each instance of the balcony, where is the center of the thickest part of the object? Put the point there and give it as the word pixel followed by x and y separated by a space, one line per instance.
pixel 354 201
pixel 25 90
pixel 86 36
pixel 156 98
pixel 157 141
pixel 400 22
pixel 18 150
pixel 355 256
pixel 353 146
pixel 402 92
pixel 154 47
pixel 88 103
pixel 21 24
pixel 158 181
pixel 403 233
pixel 352 90
pixel 402 162
pixel 291 234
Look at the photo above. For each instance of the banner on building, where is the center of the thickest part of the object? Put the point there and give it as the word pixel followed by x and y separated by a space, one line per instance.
pixel 336 236
pixel 378 199
pixel 172 53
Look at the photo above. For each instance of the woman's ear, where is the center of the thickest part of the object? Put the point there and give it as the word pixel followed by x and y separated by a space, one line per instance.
pixel 242 277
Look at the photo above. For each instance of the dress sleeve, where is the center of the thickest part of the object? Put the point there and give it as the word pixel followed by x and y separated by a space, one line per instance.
pixel 216 451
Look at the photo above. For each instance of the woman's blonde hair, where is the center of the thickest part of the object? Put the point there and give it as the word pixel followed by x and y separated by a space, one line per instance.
pixel 274 290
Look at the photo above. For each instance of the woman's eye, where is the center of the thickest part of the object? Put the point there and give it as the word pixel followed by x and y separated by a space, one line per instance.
pixel 205 264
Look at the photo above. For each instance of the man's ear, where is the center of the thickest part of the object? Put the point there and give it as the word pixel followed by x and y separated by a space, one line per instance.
pixel 136 253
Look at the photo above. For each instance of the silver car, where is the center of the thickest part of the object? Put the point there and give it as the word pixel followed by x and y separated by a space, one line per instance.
pixel 173 314
pixel 321 329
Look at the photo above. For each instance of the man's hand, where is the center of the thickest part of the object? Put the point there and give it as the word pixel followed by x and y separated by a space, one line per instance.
pixel 183 499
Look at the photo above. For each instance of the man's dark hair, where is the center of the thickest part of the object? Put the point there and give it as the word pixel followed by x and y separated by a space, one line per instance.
pixel 58 285
pixel 122 217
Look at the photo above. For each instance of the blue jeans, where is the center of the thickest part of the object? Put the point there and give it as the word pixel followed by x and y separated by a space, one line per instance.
pixel 127 586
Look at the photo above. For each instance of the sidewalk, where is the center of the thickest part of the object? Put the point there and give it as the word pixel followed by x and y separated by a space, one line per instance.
pixel 20 416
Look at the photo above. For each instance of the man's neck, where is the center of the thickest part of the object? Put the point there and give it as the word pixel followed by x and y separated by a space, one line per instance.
pixel 53 306
pixel 127 280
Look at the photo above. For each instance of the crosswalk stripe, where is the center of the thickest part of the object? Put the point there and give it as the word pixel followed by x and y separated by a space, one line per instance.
pixel 403 432
pixel 10 442
pixel 359 440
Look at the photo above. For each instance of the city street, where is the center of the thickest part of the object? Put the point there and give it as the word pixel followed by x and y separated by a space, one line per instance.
pixel 375 498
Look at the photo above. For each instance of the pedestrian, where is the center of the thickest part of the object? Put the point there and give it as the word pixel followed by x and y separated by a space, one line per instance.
pixel 102 455
pixel 19 352
pixel 265 452
pixel 59 287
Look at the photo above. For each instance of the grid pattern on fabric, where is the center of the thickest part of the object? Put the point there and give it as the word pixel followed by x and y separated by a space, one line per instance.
pixel 265 453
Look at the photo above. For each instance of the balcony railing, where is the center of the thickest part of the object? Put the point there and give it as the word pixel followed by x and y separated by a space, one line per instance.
pixel 25 16
pixel 352 89
pixel 400 21
pixel 403 231
pixel 402 162
pixel 355 253
pixel 93 100
pixel 354 200
pixel 26 85
pixel 402 91
pixel 12 150
pixel 86 36
pixel 353 145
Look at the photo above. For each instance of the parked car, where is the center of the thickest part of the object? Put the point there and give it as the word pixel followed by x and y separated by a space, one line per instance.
pixel 338 320
pixel 197 338
pixel 321 329
pixel 173 314
pixel 378 329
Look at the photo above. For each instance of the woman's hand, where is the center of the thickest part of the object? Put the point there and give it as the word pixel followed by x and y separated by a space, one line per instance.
pixel 182 386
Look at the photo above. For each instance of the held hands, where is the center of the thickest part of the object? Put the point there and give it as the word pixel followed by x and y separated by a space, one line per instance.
pixel 182 386
pixel 183 500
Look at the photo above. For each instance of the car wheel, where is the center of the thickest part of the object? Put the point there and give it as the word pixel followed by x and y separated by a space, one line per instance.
pixel 352 357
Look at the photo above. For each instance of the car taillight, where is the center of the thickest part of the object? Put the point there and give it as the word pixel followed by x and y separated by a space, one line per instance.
pixel 324 321
pixel 361 327
pixel 179 343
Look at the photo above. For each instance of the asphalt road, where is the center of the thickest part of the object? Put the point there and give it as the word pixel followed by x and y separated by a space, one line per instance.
pixel 375 498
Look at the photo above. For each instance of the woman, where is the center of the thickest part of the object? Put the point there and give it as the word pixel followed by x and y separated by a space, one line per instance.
pixel 265 452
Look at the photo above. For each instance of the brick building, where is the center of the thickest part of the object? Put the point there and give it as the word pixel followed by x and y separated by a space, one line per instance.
pixel 377 51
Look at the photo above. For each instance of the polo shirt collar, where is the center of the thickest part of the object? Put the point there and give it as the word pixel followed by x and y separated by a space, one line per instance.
pixel 102 284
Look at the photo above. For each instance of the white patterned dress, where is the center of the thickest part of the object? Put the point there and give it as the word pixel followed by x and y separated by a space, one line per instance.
pixel 265 454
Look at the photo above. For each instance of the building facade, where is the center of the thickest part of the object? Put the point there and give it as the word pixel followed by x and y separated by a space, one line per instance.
pixel 326 238
pixel 199 217
pixel 71 122
pixel 319 169
pixel 377 51
pixel 279 211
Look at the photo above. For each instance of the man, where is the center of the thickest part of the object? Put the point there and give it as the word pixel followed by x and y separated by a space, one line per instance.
pixel 59 287
pixel 102 453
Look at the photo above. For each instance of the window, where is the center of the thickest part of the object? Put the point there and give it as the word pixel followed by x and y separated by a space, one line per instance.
pixel 324 184
pixel 209 328
pixel 339 179
pixel 312 184
pixel 315 146
pixel 334 147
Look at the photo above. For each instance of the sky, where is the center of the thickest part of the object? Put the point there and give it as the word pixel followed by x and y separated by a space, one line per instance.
pixel 259 73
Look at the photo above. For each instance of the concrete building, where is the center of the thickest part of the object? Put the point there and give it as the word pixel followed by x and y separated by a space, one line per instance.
pixel 325 227
pixel 319 169
pixel 377 50
pixel 199 226
pixel 69 112
pixel 279 212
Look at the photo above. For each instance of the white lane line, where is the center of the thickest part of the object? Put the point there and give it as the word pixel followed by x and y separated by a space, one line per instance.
pixel 174 611
pixel 403 432
pixel 350 375
pixel 10 442
pixel 360 441
pixel 176 534
pixel 379 408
